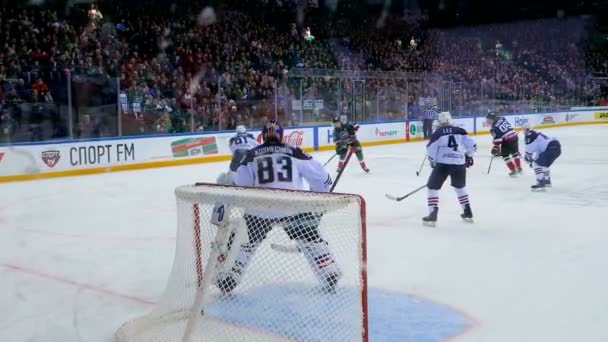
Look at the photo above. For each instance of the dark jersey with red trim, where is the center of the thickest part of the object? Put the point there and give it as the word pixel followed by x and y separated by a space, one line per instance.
pixel 502 131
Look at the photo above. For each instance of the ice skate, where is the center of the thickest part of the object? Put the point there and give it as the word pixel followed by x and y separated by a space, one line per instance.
pixel 547 182
pixel 431 219
pixel 540 186
pixel 467 215
pixel 513 173
pixel 331 282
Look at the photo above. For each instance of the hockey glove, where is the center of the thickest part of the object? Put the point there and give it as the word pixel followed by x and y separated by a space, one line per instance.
pixel 226 178
pixel 495 150
pixel 356 128
pixel 529 160
pixel 468 161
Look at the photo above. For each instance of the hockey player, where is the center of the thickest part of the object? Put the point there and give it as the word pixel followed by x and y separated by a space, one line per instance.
pixel 274 164
pixel 506 142
pixel 541 152
pixel 450 152
pixel 239 145
pixel 345 138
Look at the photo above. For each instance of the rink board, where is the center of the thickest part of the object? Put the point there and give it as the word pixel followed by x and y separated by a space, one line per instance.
pixel 29 161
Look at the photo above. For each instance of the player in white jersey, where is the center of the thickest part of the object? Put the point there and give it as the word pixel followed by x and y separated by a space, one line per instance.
pixel 239 145
pixel 541 152
pixel 450 152
pixel 274 164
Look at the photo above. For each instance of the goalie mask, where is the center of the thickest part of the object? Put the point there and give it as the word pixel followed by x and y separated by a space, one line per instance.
pixel 272 131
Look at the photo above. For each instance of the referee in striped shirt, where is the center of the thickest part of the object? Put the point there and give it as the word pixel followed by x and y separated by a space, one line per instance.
pixel 428 117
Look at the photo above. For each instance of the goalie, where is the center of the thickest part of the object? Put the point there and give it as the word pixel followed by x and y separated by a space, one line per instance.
pixel 274 164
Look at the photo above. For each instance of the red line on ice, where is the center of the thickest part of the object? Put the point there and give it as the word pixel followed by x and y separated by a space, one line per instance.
pixel 66 281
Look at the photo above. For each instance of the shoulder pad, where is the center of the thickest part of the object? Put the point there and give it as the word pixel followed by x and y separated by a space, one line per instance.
pixel 299 154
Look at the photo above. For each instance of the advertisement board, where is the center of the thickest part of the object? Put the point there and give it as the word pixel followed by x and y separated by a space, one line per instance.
pixel 601 116
pixel 67 156
pixel 367 133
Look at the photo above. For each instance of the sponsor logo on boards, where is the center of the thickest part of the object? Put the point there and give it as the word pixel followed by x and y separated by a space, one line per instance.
pixel 294 138
pixel 391 133
pixel 1 156
pixel 601 116
pixel 547 120
pixel 194 147
pixel 50 157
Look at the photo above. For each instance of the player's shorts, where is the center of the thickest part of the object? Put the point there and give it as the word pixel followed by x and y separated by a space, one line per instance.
pixel 553 151
pixel 457 174
pixel 509 147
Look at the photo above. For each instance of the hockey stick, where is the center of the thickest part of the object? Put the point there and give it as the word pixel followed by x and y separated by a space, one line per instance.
pixel 422 165
pixel 394 198
pixel 490 166
pixel 330 159
pixel 350 153
pixel 285 249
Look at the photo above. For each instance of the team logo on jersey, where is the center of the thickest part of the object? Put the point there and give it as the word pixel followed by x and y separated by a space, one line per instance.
pixel 548 120
pixel 194 147
pixel 51 157
pixel 601 116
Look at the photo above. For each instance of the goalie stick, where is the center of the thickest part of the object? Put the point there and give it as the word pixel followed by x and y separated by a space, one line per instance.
pixel 398 199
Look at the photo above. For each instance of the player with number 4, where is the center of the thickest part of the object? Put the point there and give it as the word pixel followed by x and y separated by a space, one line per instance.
pixel 450 152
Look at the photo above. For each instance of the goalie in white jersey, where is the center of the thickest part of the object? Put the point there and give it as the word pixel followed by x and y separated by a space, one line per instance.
pixel 541 152
pixel 450 152
pixel 274 164
pixel 239 145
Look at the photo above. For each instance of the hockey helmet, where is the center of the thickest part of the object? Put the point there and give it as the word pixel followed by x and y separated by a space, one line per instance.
pixel 492 116
pixel 527 127
pixel 272 131
pixel 444 118
pixel 336 120
pixel 241 129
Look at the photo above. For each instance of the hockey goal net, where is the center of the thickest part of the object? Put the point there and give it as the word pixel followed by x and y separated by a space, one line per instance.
pixel 262 265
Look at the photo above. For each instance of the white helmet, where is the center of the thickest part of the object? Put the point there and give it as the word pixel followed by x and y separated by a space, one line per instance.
pixel 241 129
pixel 444 118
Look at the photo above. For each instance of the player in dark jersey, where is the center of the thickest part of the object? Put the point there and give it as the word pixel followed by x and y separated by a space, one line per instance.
pixel 345 137
pixel 506 142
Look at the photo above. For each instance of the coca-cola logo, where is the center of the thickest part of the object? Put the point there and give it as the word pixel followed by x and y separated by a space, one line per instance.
pixel 293 138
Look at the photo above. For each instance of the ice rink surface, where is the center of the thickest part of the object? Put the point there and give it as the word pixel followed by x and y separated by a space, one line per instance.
pixel 80 256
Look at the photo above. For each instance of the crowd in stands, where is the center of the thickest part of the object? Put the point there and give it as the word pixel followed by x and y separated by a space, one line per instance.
pixel 182 67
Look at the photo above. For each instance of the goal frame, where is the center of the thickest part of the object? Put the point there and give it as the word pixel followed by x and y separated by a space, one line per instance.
pixel 362 241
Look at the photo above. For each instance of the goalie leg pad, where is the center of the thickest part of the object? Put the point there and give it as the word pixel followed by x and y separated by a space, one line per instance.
pixel 227 280
pixel 322 262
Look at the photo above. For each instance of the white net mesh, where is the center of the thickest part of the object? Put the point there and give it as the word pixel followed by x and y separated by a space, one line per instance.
pixel 274 265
